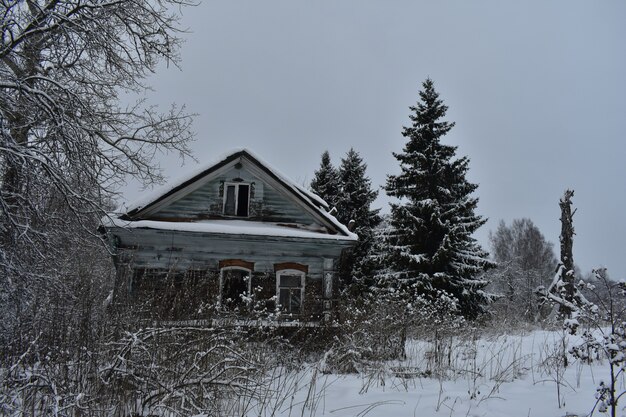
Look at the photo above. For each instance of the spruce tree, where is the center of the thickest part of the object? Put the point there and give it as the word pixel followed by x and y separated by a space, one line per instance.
pixel 325 182
pixel 353 205
pixel 430 245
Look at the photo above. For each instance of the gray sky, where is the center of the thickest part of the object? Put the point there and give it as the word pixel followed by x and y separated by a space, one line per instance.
pixel 537 90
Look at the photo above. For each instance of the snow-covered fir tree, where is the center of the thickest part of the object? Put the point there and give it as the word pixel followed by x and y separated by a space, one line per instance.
pixel 430 244
pixel 325 182
pixel 354 208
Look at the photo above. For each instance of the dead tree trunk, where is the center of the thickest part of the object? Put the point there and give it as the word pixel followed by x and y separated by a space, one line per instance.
pixel 567 260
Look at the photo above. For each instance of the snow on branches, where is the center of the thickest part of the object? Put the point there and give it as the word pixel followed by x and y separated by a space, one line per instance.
pixel 563 291
pixel 431 241
pixel 67 140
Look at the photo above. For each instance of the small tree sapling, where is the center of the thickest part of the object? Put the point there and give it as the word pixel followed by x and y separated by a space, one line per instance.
pixel 605 336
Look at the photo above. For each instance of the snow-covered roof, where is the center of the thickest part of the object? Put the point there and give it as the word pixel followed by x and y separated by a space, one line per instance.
pixel 230 227
pixel 308 198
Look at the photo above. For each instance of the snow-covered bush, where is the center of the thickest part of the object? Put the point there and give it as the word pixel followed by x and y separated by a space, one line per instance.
pixel 376 325
pixel 189 369
pixel 603 335
pixel 174 371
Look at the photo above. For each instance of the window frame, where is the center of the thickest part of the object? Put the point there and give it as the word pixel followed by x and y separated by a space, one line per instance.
pixel 233 268
pixel 225 197
pixel 279 274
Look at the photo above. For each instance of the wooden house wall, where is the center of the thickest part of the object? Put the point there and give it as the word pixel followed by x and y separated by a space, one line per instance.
pixel 266 202
pixel 187 256
pixel 194 295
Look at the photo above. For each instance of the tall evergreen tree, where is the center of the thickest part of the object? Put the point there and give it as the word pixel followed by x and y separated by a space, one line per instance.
pixel 353 205
pixel 430 243
pixel 325 182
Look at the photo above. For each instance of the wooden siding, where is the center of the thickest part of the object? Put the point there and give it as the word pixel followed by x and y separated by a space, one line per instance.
pixel 170 249
pixel 266 203
pixel 180 251
pixel 176 274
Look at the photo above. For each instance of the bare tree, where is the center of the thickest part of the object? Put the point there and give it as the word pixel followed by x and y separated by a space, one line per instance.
pixel 567 257
pixel 525 260
pixel 564 291
pixel 66 143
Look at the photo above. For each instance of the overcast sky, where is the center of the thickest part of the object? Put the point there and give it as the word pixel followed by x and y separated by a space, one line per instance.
pixel 537 90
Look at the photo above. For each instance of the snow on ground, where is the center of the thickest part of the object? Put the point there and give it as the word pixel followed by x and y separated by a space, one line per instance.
pixel 489 376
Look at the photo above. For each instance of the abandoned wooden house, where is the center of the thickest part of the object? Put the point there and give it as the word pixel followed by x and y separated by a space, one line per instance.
pixel 236 240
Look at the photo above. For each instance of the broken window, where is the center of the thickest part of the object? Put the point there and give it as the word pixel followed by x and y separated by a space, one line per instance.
pixel 236 200
pixel 290 290
pixel 235 288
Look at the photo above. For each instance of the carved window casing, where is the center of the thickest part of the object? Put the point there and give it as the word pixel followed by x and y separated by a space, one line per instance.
pixel 290 290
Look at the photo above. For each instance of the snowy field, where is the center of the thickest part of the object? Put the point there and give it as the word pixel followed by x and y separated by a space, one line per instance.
pixel 504 375
pixel 473 374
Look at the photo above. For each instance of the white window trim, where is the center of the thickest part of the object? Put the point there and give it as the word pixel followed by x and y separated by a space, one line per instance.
pixel 236 184
pixel 231 268
pixel 282 272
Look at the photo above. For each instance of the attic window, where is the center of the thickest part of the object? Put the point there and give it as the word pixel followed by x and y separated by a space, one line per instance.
pixel 236 199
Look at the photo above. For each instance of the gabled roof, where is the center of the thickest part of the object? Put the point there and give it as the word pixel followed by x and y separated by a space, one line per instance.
pixel 137 211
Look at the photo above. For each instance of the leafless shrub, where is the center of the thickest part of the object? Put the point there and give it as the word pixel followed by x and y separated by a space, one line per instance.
pixel 66 141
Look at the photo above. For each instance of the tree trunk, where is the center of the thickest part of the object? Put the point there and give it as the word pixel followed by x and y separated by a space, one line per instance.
pixel 567 260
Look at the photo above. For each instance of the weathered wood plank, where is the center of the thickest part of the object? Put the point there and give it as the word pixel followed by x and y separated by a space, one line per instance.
pixel 266 203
